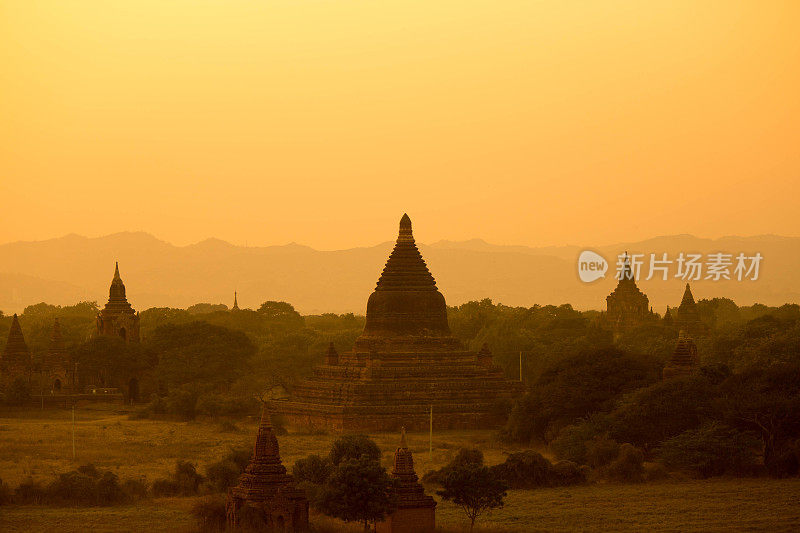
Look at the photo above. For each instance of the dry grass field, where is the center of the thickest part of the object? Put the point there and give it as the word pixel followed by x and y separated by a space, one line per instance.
pixel 39 444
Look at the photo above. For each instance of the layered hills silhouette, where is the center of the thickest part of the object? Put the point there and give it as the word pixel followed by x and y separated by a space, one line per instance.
pixel 158 274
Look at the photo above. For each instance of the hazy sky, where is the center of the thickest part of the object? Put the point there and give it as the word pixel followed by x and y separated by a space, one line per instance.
pixel 322 122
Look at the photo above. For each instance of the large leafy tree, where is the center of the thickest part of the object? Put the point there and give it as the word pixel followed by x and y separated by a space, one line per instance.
pixel 349 447
pixel 281 314
pixel 474 488
pixel 765 401
pixel 110 361
pixel 200 354
pixel 576 387
pixel 358 490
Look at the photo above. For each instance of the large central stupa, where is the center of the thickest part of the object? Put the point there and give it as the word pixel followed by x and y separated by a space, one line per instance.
pixel 405 363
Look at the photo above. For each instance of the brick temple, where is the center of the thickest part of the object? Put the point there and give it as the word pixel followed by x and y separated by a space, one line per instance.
pixel 118 318
pixel 684 360
pixel 57 372
pixel 415 511
pixel 687 317
pixel 16 360
pixel 627 306
pixel 405 363
pixel 266 496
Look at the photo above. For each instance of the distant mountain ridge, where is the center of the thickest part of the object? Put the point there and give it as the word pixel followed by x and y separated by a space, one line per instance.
pixel 67 269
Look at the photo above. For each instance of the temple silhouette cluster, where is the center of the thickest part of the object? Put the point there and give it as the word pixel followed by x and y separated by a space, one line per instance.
pixel 405 369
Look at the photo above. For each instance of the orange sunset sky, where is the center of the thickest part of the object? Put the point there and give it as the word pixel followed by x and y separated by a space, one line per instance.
pixel 265 122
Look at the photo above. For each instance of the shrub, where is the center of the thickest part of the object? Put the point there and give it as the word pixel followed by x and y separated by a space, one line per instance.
pixel 186 478
pixel 210 513
pixel 157 406
pixel 711 450
pixel 226 426
pixel 221 405
pixel 85 486
pixel 182 403
pixel 567 473
pixel 134 489
pixel 570 444
pixel 239 456
pixel 184 481
pixel 655 472
pixel 523 470
pixel 784 461
pixel 19 392
pixel 29 492
pixel 600 451
pixel 464 457
pixel 353 447
pixel 222 474
pixel 313 469
pixel 164 487
pixel 627 467
pixel 108 489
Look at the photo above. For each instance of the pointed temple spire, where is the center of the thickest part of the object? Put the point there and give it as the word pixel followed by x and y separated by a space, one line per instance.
pixel 56 340
pixel 688 316
pixel 265 450
pixel 57 368
pixel 265 488
pixel 118 318
pixel 16 360
pixel 331 356
pixel 627 306
pixel 405 268
pixel 684 360
pixel 415 511
pixel 688 298
pixel 116 293
pixel 406 300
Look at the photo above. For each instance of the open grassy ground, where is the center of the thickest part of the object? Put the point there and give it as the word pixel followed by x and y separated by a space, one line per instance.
pixel 39 445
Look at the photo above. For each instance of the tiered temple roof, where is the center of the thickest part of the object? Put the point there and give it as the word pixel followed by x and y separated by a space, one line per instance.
pixel 415 511
pixel 627 306
pixel 118 318
pixel 684 360
pixel 16 361
pixel 688 317
pixel 56 366
pixel 266 490
pixel 404 362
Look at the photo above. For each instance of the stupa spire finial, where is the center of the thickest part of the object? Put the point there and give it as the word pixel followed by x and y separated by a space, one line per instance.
pixel 405 234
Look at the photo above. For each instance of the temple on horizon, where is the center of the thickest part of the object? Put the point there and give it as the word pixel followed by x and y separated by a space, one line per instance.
pixel 117 318
pixel 627 306
pixel 405 365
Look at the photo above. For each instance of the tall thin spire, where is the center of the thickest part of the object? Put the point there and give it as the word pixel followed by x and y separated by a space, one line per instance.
pixel 16 351
pixel 116 293
pixel 235 301
pixel 266 447
pixel 688 297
